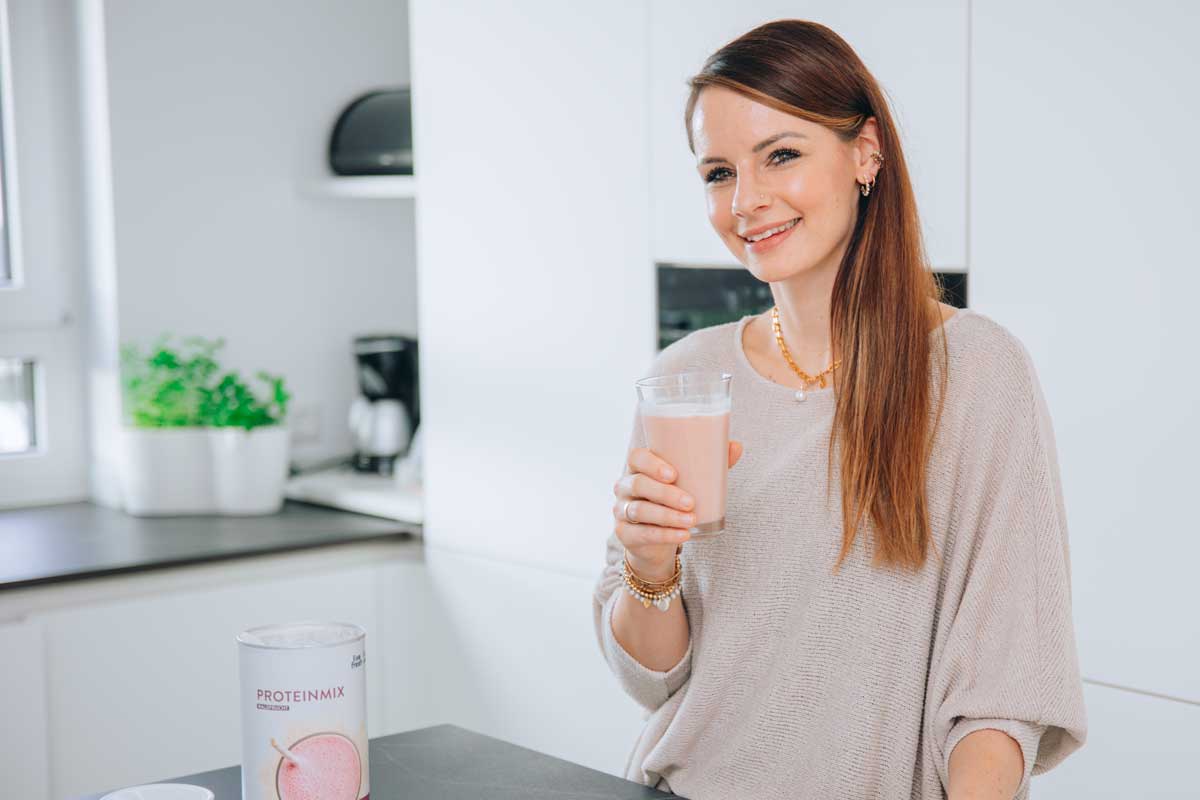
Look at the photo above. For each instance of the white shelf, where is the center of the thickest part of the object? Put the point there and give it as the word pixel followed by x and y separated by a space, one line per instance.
pixel 366 187
pixel 363 493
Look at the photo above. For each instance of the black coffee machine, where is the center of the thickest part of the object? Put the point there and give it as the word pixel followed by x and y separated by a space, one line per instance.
pixel 385 416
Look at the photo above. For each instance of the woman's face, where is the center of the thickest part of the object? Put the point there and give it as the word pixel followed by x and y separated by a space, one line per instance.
pixel 763 169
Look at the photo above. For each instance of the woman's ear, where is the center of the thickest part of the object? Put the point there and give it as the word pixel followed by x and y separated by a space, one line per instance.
pixel 867 143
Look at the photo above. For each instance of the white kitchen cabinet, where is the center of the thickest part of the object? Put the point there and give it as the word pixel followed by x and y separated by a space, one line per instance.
pixel 429 681
pixel 141 672
pixel 1137 746
pixel 919 54
pixel 1083 220
pixel 510 650
pixel 140 681
pixel 24 756
pixel 536 289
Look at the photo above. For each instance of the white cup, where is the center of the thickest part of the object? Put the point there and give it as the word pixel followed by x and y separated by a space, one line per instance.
pixel 161 791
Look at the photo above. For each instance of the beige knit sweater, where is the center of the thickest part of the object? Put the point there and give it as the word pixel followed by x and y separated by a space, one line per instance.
pixel 798 683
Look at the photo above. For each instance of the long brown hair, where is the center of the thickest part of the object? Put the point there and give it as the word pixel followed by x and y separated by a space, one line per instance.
pixel 880 315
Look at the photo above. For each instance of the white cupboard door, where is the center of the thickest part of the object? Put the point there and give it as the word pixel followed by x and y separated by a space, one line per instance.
pixel 23 735
pixel 1137 746
pixel 1083 227
pixel 514 655
pixel 543 292
pixel 918 53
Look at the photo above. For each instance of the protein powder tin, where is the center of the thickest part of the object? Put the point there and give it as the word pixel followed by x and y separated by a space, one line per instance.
pixel 304 712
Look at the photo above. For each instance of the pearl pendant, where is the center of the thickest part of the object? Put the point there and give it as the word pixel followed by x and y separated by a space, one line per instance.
pixel 663 603
pixel 800 395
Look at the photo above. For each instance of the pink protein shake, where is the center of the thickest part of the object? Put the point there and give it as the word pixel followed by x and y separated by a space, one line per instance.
pixel 328 768
pixel 686 421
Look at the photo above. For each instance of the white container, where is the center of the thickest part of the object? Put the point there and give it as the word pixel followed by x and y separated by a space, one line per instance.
pixel 166 471
pixel 171 471
pixel 249 469
pixel 303 691
pixel 161 791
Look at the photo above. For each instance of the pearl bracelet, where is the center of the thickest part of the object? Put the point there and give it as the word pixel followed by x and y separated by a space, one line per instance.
pixel 660 593
pixel 661 601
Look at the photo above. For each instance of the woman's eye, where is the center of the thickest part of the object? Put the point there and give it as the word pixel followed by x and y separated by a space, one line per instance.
pixel 716 175
pixel 783 155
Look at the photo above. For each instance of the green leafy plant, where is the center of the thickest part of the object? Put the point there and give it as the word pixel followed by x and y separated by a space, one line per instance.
pixel 164 387
pixel 182 386
pixel 233 404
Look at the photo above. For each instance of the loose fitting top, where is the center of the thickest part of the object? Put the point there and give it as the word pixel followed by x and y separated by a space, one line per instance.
pixel 802 683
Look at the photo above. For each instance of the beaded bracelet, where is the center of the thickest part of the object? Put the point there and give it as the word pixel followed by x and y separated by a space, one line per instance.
pixel 660 593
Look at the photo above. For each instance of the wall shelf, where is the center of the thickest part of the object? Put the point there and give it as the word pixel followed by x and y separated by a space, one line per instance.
pixel 365 187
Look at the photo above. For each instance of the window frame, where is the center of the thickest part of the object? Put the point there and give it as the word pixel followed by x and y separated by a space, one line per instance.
pixel 45 240
pixel 39 392
pixel 8 171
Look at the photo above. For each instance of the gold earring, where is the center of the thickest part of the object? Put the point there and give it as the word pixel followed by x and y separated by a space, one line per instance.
pixel 868 184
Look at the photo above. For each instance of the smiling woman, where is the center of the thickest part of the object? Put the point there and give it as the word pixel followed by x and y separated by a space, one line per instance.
pixel 788 149
pixel 914 637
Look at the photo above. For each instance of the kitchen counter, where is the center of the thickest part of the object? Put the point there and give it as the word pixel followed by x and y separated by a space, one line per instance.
pixel 447 762
pixel 57 544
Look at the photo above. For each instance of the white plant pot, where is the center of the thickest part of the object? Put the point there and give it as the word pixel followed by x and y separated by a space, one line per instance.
pixel 249 469
pixel 166 471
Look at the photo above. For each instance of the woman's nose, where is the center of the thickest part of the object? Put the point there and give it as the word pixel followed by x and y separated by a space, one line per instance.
pixel 748 198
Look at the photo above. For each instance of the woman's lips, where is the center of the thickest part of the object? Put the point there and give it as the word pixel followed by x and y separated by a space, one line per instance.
pixel 773 241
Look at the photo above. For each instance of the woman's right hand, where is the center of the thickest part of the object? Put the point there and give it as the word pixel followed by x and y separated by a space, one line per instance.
pixel 662 512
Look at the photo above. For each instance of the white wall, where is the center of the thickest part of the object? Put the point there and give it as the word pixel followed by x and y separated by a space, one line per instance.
pixel 220 116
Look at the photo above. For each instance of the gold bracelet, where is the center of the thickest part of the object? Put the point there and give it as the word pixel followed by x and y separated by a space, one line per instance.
pixel 652 585
pixel 659 593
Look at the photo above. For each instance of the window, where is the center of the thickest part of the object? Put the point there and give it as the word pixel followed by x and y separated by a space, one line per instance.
pixel 18 415
pixel 7 276
pixel 42 448
pixel 6 272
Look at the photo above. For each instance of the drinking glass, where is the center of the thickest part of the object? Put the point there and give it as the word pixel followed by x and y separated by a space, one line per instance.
pixel 685 417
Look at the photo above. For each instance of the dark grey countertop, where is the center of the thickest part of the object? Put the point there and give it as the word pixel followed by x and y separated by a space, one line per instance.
pixel 52 544
pixel 447 762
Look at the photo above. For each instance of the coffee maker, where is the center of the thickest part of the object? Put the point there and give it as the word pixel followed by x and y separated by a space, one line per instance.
pixel 385 415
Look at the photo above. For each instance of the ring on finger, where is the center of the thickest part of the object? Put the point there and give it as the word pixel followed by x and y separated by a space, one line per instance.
pixel 625 512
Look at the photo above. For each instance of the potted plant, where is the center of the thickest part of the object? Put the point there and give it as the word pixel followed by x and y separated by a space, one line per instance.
pixel 248 444
pixel 164 462
pixel 198 441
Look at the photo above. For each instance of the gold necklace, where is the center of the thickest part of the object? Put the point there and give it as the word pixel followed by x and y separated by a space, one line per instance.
pixel 804 376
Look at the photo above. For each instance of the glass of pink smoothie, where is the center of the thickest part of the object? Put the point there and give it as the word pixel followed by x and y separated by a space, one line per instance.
pixel 685 417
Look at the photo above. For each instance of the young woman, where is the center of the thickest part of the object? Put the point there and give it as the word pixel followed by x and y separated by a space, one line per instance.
pixel 888 611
